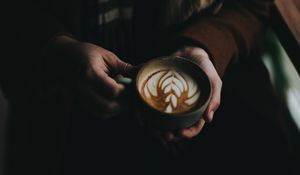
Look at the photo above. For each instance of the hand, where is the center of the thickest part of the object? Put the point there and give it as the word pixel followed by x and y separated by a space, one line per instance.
pixel 200 57
pixel 93 69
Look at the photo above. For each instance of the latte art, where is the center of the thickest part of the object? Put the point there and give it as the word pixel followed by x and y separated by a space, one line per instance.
pixel 170 91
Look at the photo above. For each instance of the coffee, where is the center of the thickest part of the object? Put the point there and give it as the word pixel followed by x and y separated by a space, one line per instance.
pixel 173 92
pixel 170 90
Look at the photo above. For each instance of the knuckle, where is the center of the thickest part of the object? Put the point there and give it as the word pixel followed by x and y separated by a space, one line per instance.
pixel 112 55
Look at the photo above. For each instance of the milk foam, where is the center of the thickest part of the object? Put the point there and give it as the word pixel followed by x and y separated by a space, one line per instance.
pixel 171 89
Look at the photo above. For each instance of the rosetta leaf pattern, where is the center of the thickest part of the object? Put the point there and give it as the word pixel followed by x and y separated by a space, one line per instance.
pixel 169 90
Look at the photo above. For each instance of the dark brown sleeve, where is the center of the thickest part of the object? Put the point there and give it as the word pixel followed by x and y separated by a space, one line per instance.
pixel 232 33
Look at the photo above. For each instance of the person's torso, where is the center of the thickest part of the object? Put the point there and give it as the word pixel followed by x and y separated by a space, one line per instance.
pixel 132 29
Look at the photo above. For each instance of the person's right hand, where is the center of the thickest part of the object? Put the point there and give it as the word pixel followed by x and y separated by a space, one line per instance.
pixel 201 58
pixel 92 68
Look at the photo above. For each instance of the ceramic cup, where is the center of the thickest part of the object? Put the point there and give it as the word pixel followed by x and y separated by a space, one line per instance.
pixel 173 92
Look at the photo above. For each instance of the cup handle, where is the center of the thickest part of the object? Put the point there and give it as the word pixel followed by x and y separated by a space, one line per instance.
pixel 128 83
pixel 123 80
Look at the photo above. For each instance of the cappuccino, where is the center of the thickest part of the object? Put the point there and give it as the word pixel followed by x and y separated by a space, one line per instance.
pixel 174 92
pixel 170 90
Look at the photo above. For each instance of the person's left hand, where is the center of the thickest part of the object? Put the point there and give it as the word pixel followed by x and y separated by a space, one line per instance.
pixel 200 57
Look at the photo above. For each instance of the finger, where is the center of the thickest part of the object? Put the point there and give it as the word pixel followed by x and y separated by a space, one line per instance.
pixel 216 87
pixel 114 67
pixel 215 100
pixel 108 85
pixel 192 131
pixel 201 58
pixel 97 104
